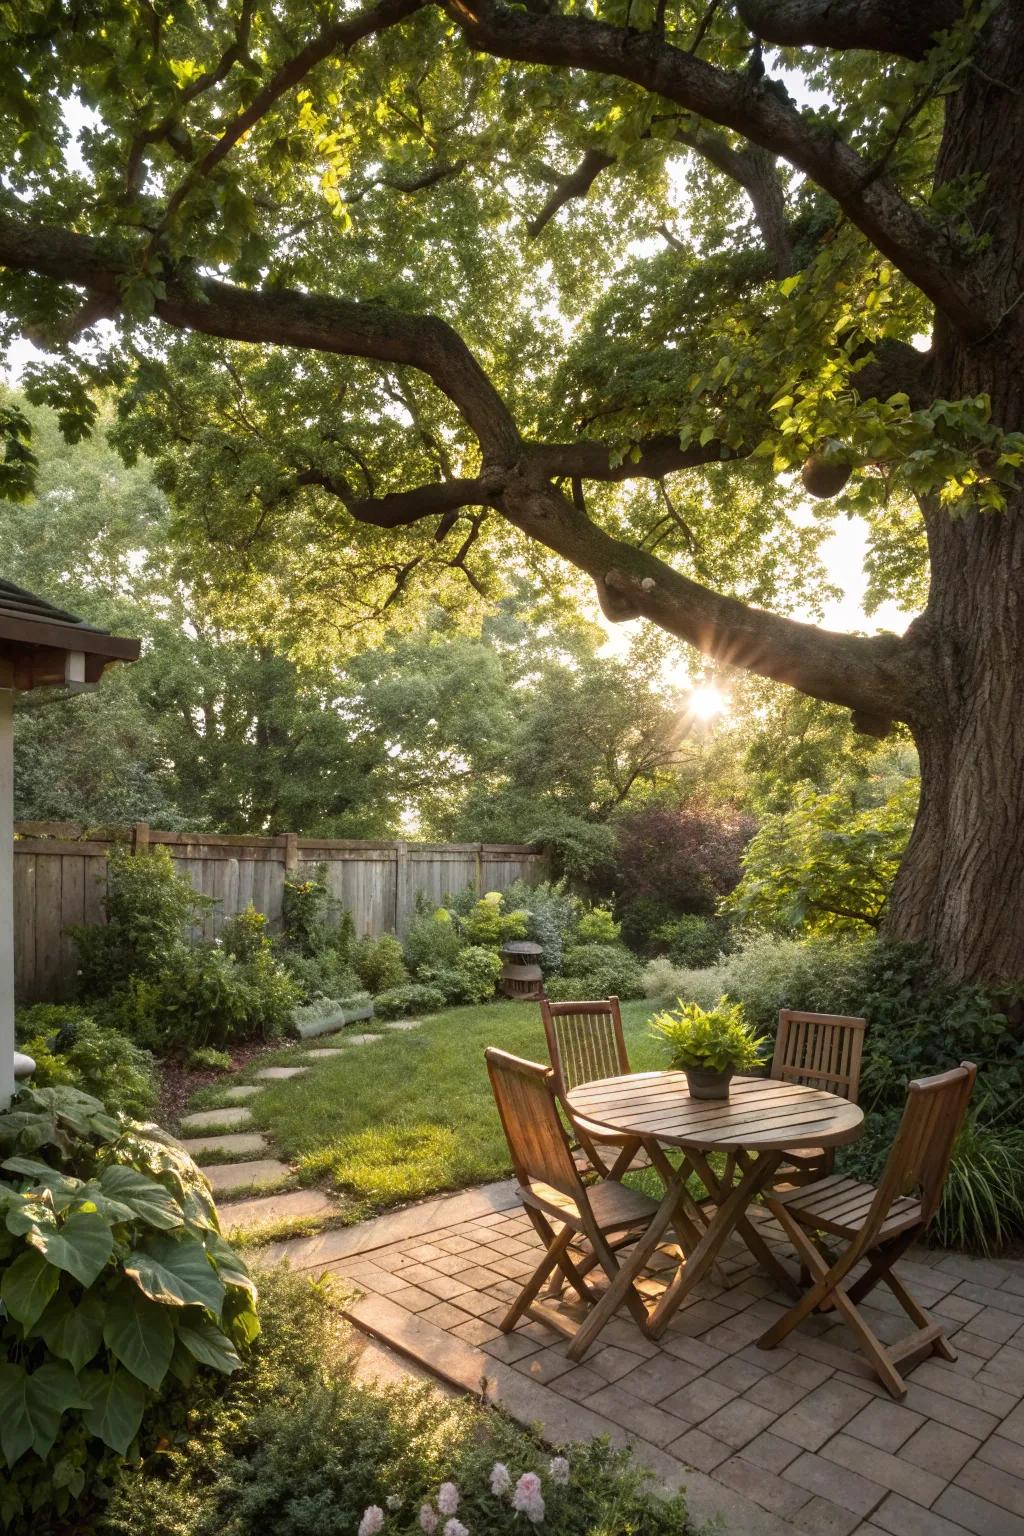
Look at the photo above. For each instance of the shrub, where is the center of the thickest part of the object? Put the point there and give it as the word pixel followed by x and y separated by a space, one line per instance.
pixel 115 1279
pixel 552 912
pixel 245 935
pixel 488 922
pixel 597 970
pixel 663 981
pixel 148 908
pixel 70 1048
pixel 710 1039
pixel 292 1445
pixel 308 912
pixel 208 1059
pixel 693 941
pixel 674 862
pixel 821 975
pixel 598 926
pixel 379 963
pixel 207 998
pixel 327 974
pixel 413 997
pixel 471 978
pixel 433 939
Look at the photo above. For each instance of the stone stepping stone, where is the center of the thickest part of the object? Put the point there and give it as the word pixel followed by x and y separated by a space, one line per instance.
pixel 276 1074
pixel 363 1039
pixel 322 1055
pixel 205 1119
pixel 243 1091
pixel 404 1024
pixel 240 1178
pixel 268 1210
pixel 246 1144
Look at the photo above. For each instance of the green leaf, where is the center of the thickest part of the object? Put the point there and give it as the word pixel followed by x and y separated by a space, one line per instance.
pixel 149 1200
pixel 82 1245
pixel 176 1273
pixel 31 1406
pixel 73 1333
pixel 208 1344
pixel 230 1266
pixel 115 1405
pixel 27 1286
pixel 139 1333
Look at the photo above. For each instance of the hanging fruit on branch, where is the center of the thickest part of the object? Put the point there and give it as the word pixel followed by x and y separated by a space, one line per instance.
pixel 827 469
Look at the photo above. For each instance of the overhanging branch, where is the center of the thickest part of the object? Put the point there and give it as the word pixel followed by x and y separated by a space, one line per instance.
pixel 904 27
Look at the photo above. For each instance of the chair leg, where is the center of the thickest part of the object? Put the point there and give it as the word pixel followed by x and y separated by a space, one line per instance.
pixel 531 1290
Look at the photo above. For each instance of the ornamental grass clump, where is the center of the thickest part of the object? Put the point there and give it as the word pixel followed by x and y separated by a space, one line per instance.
pixel 709 1045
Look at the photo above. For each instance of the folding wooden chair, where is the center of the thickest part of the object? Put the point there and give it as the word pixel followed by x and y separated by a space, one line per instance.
pixel 819 1050
pixel 585 1043
pixel 879 1225
pixel 561 1207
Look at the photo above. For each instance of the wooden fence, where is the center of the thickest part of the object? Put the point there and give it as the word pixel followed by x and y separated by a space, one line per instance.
pixel 60 877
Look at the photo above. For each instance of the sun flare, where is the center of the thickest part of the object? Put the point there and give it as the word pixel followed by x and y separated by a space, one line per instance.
pixel 706 701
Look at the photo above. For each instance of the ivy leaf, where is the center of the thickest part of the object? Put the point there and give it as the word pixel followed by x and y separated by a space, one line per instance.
pixel 115 1405
pixel 209 1345
pixel 176 1273
pixel 73 1333
pixel 139 1333
pixel 82 1245
pixel 27 1287
pixel 149 1200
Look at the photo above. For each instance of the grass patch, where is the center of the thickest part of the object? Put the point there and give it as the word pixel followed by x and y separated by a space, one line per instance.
pixel 412 1114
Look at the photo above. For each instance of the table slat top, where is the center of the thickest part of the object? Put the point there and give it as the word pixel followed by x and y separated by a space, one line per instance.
pixel 760 1113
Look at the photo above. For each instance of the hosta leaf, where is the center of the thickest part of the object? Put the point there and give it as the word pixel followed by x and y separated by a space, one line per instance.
pixel 27 1286
pixel 177 1273
pixel 29 1212
pixel 116 1402
pixel 82 1245
pixel 209 1345
pixel 146 1198
pixel 139 1333
pixel 74 1333
pixel 230 1266
pixel 31 1406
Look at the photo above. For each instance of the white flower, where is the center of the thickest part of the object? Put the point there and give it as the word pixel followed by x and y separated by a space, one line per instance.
pixel 428 1519
pixel 455 1528
pixel 527 1499
pixel 372 1521
pixel 447 1498
pixel 558 1469
pixel 501 1482
pixel 394 1501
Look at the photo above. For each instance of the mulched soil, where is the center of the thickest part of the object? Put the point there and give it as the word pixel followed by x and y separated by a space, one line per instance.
pixel 178 1082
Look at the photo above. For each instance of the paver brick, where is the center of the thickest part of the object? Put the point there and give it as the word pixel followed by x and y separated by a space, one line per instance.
pixel 610 1362
pixel 738 1422
pixel 988 1399
pixel 949 1410
pixel 771 1492
pixel 698 1450
pixel 698 1400
pixel 902 1517
pixel 892 1472
pixel 977 1515
pixel 658 1378
pixel 544 1364
pixel 848 1489
pixel 820 1517
pixel 939 1449
pixel 769 1451
pixel 998 1452
pixel 1004 1301
pixel 993 1483
pixel 640 1418
pixel 821 1413
pixel 776 1393
pixel 475 1331
pixel 885 1424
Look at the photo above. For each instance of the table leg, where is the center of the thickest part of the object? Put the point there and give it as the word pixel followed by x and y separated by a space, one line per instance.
pixel 726 1219
pixel 744 1227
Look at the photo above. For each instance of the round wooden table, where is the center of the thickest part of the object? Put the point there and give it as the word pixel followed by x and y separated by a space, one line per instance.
pixel 761 1119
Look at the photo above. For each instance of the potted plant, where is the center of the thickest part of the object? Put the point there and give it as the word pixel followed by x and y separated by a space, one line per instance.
pixel 709 1045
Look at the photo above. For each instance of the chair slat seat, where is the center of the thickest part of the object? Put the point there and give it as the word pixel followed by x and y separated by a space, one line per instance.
pixel 842 1206
pixel 614 1206
pixel 817 1050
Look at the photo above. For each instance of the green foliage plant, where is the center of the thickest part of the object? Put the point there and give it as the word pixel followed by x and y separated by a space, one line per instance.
pixel 115 1282
pixel 552 913
pixel 693 940
pixel 433 938
pixel 597 970
pixel 379 963
pixel 71 1048
pixel 310 920
pixel 148 908
pixel 409 998
pixel 489 922
pixel 598 926
pixel 208 1059
pixel 326 974
pixel 712 1039
pixel 244 935
pixel 208 998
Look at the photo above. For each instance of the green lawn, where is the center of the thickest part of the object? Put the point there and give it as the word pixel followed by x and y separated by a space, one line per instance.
pixel 413 1113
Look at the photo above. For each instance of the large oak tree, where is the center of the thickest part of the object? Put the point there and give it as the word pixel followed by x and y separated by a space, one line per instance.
pixel 389 283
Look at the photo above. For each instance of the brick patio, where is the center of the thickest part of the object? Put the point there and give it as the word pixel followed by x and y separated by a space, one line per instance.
pixel 801 1438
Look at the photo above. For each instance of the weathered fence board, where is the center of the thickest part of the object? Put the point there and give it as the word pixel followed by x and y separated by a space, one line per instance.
pixel 60 875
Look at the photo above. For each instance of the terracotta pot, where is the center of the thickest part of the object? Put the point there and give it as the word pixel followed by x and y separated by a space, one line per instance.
pixel 703 1083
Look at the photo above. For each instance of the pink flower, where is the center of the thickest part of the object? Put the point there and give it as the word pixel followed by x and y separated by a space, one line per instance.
pixel 372 1521
pixel 447 1498
pixel 501 1482
pixel 428 1519
pixel 527 1499
pixel 558 1469
pixel 455 1528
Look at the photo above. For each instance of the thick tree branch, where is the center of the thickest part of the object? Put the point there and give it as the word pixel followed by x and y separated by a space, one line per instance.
pixel 400 509
pixel 905 27
pixel 760 113
pixel 577 184
pixel 280 317
pixel 653 458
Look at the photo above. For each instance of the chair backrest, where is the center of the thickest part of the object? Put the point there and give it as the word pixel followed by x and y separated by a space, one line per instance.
pixel 820 1050
pixel 585 1041
pixel 920 1155
pixel 525 1095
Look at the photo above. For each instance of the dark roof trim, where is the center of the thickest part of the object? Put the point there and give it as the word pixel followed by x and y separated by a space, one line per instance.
pixel 28 620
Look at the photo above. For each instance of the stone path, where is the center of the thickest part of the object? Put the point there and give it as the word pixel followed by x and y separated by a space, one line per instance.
pixel 236 1159
pixel 799 1439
